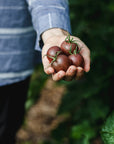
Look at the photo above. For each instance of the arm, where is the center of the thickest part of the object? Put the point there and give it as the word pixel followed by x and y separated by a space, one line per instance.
pixel 52 23
pixel 48 14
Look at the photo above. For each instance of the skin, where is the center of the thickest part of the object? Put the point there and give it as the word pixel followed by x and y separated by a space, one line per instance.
pixel 54 37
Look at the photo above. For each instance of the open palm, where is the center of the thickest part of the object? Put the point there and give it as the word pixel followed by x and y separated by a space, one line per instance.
pixel 73 72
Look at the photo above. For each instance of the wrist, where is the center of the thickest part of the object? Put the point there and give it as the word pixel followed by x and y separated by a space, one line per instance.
pixel 53 32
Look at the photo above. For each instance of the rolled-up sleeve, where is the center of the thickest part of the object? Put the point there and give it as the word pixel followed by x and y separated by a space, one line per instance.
pixel 47 14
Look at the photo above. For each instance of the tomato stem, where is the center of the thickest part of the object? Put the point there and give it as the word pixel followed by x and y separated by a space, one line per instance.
pixel 44 55
pixel 50 56
pixel 70 40
pixel 70 51
pixel 76 50
pixel 67 39
pixel 54 58
pixel 79 50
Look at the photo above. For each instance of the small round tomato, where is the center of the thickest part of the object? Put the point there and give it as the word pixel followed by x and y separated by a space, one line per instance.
pixel 69 45
pixel 61 63
pixel 52 52
pixel 77 60
pixel 68 48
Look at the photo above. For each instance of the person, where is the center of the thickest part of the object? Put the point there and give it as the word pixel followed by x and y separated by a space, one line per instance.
pixel 27 29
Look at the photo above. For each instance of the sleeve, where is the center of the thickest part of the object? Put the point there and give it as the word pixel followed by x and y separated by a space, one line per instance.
pixel 47 14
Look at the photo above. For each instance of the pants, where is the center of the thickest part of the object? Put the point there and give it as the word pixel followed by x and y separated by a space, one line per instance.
pixel 12 110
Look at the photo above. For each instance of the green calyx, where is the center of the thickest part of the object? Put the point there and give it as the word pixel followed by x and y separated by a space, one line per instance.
pixel 75 51
pixel 54 57
pixel 71 40
pixel 68 39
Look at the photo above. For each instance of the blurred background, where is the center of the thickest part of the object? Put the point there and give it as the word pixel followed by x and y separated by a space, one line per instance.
pixel 77 112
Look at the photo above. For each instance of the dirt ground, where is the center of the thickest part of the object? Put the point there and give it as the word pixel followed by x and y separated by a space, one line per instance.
pixel 42 117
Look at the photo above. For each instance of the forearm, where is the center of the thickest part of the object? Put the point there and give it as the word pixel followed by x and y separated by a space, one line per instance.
pixel 49 14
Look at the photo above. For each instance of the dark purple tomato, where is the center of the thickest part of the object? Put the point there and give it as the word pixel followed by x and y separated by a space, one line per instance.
pixel 61 63
pixel 52 52
pixel 68 47
pixel 77 60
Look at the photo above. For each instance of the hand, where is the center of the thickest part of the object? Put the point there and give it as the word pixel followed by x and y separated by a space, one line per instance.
pixel 54 37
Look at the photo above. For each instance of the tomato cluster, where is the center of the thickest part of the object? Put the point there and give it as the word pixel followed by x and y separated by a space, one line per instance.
pixel 67 54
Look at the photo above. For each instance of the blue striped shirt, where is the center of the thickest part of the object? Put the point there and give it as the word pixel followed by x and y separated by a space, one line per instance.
pixel 21 24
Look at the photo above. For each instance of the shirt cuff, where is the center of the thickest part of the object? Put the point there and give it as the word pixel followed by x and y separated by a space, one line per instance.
pixel 51 20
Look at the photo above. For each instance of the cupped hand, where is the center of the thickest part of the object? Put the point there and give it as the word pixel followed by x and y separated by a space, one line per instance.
pixel 73 72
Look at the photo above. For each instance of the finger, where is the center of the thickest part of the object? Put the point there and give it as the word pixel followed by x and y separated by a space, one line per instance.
pixel 70 73
pixel 58 76
pixel 80 73
pixel 49 70
pixel 46 64
pixel 85 52
pixel 87 64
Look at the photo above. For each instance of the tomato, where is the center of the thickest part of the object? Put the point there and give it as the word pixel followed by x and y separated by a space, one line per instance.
pixel 60 58
pixel 52 52
pixel 61 63
pixel 68 47
pixel 77 60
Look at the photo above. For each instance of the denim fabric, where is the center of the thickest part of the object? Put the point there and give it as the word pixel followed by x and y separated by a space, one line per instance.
pixel 21 24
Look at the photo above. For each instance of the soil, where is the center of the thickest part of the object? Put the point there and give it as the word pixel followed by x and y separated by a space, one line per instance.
pixel 42 117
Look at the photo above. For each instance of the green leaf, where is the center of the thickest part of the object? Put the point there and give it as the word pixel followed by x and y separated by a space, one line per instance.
pixel 107 131
pixel 82 130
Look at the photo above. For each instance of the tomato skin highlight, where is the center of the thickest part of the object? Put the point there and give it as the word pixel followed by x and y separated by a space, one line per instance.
pixel 52 51
pixel 62 63
pixel 77 60
pixel 67 46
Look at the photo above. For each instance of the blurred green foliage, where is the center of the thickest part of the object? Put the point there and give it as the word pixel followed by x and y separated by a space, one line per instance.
pixel 37 82
pixel 89 101
pixel 108 130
